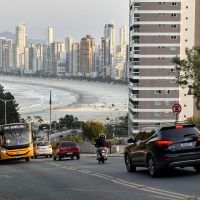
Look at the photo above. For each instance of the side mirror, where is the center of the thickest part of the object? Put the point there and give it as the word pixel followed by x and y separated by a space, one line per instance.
pixel 131 140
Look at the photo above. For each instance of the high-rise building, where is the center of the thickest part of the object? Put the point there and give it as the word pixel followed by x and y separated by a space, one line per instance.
pixel 159 31
pixel 122 41
pixel 109 32
pixel 68 43
pixel 75 59
pixel 20 44
pixel 86 55
pixel 49 35
pixel 6 54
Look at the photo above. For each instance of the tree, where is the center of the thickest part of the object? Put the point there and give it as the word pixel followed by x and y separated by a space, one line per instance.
pixel 92 130
pixel 189 72
pixel 12 115
pixel 77 138
pixel 195 120
pixel 69 122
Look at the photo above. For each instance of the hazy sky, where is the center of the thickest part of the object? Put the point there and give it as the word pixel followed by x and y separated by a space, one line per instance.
pixel 68 17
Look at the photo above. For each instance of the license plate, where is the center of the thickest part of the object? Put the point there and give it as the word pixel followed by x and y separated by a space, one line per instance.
pixel 69 153
pixel 189 144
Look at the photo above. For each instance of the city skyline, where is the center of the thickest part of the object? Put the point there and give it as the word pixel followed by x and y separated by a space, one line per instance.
pixel 64 21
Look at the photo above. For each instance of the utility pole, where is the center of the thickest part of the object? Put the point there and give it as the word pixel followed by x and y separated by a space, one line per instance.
pixel 50 102
pixel 5 115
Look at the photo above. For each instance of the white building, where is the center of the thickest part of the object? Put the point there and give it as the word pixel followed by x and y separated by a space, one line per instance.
pixel 20 44
pixel 159 31
pixel 49 35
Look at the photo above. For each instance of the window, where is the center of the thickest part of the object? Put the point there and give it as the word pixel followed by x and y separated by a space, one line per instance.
pixel 172 48
pixel 140 136
pixel 157 91
pixel 173 37
pixel 174 4
pixel 157 103
pixel 173 70
pixel 172 80
pixel 167 114
pixel 167 103
pixel 149 132
pixel 174 26
pixel 157 114
pixel 167 91
pixel 174 15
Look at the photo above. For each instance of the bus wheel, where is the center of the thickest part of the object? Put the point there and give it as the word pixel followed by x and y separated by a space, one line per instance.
pixel 27 159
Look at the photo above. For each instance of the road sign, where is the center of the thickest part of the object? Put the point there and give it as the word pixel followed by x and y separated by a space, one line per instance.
pixel 176 108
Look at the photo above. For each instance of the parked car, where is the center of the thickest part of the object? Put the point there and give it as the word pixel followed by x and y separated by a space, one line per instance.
pixel 66 149
pixel 42 149
pixel 164 147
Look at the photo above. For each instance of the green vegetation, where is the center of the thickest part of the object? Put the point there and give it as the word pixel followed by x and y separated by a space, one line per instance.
pixel 195 120
pixel 76 138
pixel 189 72
pixel 69 122
pixel 92 129
pixel 12 114
pixel 118 129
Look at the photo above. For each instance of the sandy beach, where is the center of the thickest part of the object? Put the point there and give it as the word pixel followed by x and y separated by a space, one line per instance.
pixel 85 100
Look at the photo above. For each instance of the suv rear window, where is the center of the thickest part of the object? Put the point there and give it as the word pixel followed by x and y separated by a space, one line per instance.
pixel 67 144
pixel 178 134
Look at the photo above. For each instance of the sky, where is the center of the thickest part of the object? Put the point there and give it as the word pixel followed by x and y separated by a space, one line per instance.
pixel 76 18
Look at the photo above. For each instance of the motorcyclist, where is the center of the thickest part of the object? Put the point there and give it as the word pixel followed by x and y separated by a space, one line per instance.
pixel 100 143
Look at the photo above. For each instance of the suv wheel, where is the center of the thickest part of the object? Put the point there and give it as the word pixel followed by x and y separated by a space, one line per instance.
pixel 54 157
pixel 197 168
pixel 129 165
pixel 59 158
pixel 78 157
pixel 153 171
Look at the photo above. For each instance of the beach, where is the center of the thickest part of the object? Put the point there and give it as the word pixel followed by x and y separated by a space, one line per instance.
pixel 86 100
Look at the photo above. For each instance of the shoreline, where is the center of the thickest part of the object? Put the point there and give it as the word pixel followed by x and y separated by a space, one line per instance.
pixel 90 98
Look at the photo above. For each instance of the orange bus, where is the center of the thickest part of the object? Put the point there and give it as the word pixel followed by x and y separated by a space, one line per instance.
pixel 16 142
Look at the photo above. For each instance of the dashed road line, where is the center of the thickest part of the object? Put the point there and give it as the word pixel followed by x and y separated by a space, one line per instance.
pixel 164 194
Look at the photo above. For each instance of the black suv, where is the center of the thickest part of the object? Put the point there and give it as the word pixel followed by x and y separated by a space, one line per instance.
pixel 159 147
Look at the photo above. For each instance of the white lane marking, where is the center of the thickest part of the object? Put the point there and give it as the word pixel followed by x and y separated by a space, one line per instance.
pixel 116 180
pixel 80 189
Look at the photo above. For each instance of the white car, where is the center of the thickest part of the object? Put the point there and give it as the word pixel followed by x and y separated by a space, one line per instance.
pixel 42 149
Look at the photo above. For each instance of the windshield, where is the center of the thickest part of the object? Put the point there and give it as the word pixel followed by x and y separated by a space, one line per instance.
pixel 43 144
pixel 16 138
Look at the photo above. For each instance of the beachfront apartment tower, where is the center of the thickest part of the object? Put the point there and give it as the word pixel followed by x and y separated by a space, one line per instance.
pixel 86 55
pixel 49 35
pixel 159 30
pixel 20 44
pixel 109 32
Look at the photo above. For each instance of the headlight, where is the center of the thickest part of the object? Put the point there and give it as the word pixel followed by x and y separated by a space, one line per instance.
pixel 30 148
pixel 3 151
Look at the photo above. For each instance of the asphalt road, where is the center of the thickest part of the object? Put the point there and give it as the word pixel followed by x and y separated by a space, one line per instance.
pixel 85 179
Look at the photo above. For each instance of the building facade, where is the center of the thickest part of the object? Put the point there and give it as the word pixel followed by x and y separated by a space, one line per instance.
pixel 86 55
pixel 159 31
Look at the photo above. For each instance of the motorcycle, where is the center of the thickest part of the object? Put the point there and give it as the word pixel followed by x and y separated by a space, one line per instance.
pixel 102 157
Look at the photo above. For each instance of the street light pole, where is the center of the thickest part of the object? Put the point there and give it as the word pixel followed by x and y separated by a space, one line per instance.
pixel 5 115
pixel 50 116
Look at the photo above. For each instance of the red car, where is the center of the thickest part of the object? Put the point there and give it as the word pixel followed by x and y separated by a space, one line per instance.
pixel 66 149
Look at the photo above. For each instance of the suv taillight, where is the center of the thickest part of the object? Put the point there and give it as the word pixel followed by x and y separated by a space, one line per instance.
pixel 198 139
pixel 164 142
